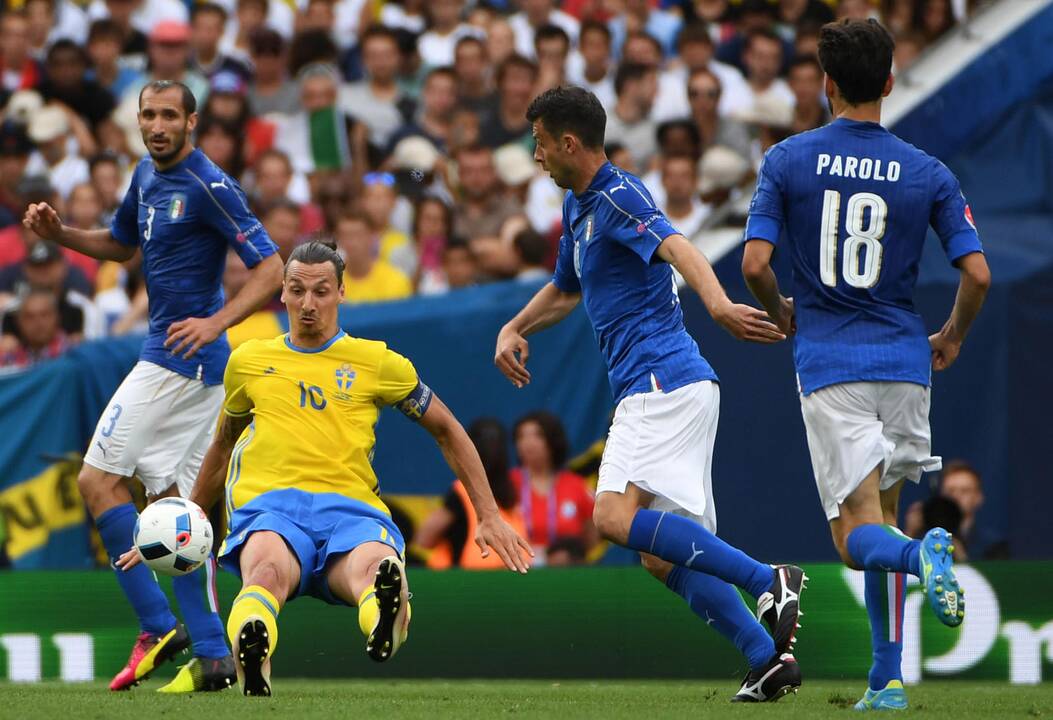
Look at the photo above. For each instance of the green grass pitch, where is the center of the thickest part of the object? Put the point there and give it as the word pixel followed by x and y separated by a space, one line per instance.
pixel 561 700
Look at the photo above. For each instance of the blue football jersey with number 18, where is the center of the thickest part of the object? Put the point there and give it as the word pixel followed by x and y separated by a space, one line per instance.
pixel 856 203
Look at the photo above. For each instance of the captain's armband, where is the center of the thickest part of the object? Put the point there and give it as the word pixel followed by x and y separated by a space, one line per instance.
pixel 416 403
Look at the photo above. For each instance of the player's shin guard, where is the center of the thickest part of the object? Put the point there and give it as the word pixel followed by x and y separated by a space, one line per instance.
pixel 685 543
pixel 884 548
pixel 116 528
pixel 885 594
pixel 722 608
pixel 254 602
pixel 196 594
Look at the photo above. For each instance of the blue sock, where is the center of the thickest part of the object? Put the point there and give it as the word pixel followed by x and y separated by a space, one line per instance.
pixel 885 594
pixel 721 606
pixel 684 542
pixel 116 527
pixel 883 547
pixel 206 629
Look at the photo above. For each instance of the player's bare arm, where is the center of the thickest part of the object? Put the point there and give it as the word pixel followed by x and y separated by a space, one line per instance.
pixel 43 219
pixel 493 532
pixel 742 321
pixel 191 334
pixel 761 280
pixel 972 289
pixel 546 308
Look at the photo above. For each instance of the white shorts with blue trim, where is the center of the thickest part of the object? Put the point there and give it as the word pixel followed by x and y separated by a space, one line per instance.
pixel 662 442
pixel 157 427
pixel 855 427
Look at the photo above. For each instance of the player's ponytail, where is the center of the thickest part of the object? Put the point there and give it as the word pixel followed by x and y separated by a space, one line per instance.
pixel 317 252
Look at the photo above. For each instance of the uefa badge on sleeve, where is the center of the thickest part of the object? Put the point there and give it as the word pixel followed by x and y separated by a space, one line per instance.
pixel 177 206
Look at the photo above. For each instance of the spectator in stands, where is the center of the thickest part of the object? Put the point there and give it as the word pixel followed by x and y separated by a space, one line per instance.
pixel 642 16
pixel 754 16
pixel 620 156
pixel 169 54
pixel 810 107
pixel 379 200
pixel 367 278
pixel 20 71
pixel 791 13
pixel 592 66
pixel 459 264
pixel 763 59
pixel 680 190
pixel 961 482
pixel 250 16
pixel 506 122
pixel 932 18
pixel 806 42
pixel 432 227
pixel 45 267
pixel 126 16
pixel 207 23
pixel 704 93
pixel 555 502
pixel 696 51
pixel 470 64
pixel 898 16
pixel 500 41
pixel 406 14
pixel 721 172
pixel 532 252
pixel 281 219
pixel 566 551
pixel 629 122
pixel 271 90
pixel 66 82
pixel 105 40
pixel 483 210
pixel 854 10
pixel 552 47
pixel 436 46
pixel 532 15
pixel 50 130
pixel 909 47
pixel 51 21
pixel 434 117
pixel 15 148
pixel 38 332
pixel 675 137
pixel 376 100
pixel 84 210
pixel 223 143
pixel 450 530
pixel 104 172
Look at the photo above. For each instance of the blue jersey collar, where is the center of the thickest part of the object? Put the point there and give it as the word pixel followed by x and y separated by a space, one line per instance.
pixel 600 179
pixel 859 124
pixel 310 351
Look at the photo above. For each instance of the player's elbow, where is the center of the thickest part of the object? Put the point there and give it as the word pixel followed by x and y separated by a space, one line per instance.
pixel 753 267
pixel 976 271
pixel 270 271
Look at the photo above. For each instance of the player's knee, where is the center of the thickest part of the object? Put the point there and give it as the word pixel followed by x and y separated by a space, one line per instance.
pixel 611 519
pixel 841 543
pixel 267 574
pixel 95 486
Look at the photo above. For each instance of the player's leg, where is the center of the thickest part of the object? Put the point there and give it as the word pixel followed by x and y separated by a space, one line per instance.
pixel 124 429
pixel 373 578
pixel 270 574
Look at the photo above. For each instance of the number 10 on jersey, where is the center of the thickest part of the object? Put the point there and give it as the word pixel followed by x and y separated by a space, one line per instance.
pixel 861 234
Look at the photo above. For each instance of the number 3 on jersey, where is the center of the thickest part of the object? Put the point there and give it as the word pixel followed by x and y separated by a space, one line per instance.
pixel 860 236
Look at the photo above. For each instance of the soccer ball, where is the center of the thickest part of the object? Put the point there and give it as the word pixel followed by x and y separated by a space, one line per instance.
pixel 173 536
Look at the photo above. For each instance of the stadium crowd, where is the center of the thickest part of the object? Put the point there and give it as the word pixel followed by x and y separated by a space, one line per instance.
pixel 396 128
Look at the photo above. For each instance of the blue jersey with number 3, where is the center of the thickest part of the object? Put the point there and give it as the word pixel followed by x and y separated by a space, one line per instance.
pixel 853 203
pixel 183 220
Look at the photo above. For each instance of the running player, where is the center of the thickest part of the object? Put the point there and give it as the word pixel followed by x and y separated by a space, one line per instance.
pixel 182 212
pixel 853 204
pixel 294 445
pixel 654 493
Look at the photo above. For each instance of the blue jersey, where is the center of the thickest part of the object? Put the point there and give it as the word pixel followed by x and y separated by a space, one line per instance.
pixel 855 203
pixel 607 253
pixel 183 219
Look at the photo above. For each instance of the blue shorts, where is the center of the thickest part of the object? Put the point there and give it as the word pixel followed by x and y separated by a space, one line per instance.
pixel 317 527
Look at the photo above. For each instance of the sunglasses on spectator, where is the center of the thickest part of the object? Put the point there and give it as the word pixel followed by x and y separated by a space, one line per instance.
pixel 379 178
pixel 710 93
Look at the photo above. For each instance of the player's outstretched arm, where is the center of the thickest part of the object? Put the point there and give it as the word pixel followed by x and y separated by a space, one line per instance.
pixel 42 219
pixel 493 532
pixel 972 289
pixel 742 321
pixel 192 334
pixel 546 308
pixel 761 280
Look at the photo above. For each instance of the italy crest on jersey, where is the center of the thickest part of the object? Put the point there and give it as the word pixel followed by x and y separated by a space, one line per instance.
pixel 177 206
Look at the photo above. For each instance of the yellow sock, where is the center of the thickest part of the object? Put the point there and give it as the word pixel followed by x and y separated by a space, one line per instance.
pixel 368 611
pixel 254 601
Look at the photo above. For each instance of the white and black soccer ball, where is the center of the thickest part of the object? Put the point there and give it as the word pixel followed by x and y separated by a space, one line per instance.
pixel 173 536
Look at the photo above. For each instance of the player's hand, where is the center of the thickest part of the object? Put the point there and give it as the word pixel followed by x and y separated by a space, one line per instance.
pixel 786 321
pixel 748 323
pixel 192 334
pixel 129 560
pixel 42 219
pixel 512 353
pixel 944 350
pixel 494 534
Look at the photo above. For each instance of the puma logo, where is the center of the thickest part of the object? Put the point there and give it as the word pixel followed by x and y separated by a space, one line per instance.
pixel 694 554
pixel 616 188
pixel 222 183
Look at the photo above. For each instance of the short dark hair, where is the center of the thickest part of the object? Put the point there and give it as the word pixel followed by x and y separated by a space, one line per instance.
pixel 647 37
pixel 66 45
pixel 317 252
pixel 570 109
pixel 961 466
pixel 105 29
pixel 593 25
pixel 203 8
pixel 265 41
pixel 283 204
pixel 551 32
pixel 857 55
pixel 762 34
pixel 189 102
pixel 379 31
pixel 628 72
pixel 456 243
pixel 468 40
pixel 439 72
pixel 805 61
pixel 553 432
pixel 531 247
pixel 696 31
pixel 106 157
pixel 512 61
pixel 663 130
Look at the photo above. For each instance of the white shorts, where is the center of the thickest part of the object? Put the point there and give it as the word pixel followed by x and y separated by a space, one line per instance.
pixel 663 443
pixel 157 427
pixel 855 427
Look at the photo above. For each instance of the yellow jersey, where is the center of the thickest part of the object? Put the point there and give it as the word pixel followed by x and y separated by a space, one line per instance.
pixel 383 282
pixel 313 413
